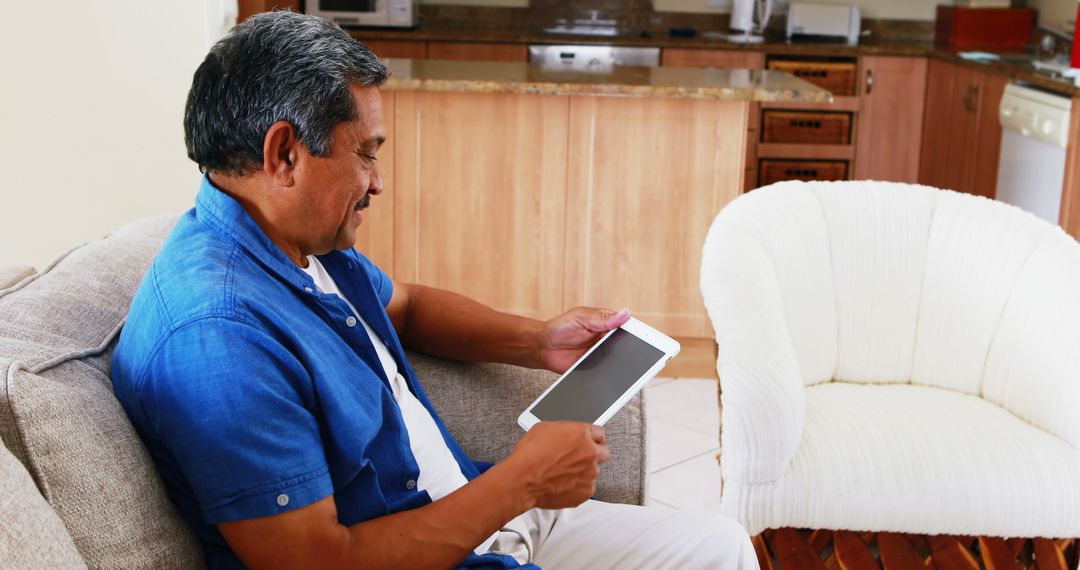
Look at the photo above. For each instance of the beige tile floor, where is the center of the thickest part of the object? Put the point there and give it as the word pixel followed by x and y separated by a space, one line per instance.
pixel 684 422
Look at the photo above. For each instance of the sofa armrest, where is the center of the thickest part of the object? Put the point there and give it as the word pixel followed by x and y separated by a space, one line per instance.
pixel 12 274
pixel 480 404
pixel 763 400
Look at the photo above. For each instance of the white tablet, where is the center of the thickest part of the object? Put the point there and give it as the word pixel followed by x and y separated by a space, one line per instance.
pixel 604 379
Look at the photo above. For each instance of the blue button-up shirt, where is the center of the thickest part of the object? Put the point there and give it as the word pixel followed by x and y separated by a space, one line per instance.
pixel 255 393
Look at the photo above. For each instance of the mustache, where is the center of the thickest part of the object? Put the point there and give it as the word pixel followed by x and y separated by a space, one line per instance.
pixel 363 202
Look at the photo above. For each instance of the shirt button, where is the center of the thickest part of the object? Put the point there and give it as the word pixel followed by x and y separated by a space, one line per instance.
pixel 309 289
pixel 282 500
pixel 410 484
pixel 351 321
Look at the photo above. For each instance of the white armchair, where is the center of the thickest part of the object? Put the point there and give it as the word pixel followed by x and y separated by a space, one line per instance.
pixel 895 358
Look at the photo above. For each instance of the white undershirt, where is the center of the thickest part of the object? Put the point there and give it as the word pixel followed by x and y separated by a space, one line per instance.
pixel 440 473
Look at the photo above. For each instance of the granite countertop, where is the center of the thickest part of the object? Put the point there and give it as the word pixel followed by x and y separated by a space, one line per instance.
pixel 1014 66
pixel 674 82
pixel 774 45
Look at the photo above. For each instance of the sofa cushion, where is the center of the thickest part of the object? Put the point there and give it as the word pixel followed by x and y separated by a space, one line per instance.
pixel 908 458
pixel 31 535
pixel 11 275
pixel 58 414
pixel 498 393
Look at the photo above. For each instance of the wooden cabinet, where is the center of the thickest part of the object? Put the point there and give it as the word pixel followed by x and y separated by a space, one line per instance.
pixel 890 118
pixel 676 57
pixel 480 196
pixel 773 170
pixel 406 49
pixel 805 127
pixel 961 137
pixel 839 76
pixel 729 59
pixel 473 51
pixel 533 204
pixel 478 51
pixel 646 180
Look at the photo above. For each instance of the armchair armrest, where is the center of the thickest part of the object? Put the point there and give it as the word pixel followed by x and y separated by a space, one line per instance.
pixel 763 403
pixel 480 404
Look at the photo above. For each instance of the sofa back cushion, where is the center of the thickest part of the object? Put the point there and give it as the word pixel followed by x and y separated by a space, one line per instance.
pixel 31 535
pixel 58 414
pixel 1033 364
pixel 977 250
pixel 878 233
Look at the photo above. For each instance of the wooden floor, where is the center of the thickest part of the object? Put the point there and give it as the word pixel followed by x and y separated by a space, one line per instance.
pixel 696 359
pixel 791 549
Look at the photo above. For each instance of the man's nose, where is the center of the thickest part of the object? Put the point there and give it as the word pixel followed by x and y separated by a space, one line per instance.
pixel 376 186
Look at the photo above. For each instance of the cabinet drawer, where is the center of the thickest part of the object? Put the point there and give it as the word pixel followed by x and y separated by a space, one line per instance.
pixel 839 77
pixel 814 127
pixel 778 170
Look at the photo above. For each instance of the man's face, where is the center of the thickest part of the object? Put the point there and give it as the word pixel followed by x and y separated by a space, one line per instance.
pixel 338 186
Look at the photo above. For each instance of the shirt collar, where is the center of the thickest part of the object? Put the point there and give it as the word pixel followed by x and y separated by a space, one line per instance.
pixel 228 217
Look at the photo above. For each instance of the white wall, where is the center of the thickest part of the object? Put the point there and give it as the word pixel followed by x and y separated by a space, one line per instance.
pixel 879 9
pixel 1055 13
pixel 91 104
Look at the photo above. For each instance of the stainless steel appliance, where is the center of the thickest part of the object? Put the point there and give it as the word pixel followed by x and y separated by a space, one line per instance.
pixel 1031 168
pixel 592 58
pixel 373 13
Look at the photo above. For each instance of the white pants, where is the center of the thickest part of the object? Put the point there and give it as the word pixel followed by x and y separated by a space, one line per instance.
pixel 599 535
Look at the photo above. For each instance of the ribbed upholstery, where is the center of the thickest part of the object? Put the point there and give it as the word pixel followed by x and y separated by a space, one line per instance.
pixel 916 459
pixel 1033 366
pixel 976 252
pixel 895 358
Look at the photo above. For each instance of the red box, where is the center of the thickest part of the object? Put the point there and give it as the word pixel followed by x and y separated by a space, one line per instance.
pixel 1004 28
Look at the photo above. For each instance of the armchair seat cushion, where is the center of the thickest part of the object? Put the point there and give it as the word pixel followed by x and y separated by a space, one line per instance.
pixel 910 458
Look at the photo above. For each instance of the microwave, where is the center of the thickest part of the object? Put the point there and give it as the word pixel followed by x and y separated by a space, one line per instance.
pixel 374 13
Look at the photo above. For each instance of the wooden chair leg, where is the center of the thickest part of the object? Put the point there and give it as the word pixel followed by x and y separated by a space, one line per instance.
pixel 897 553
pixel 1048 556
pixel 852 553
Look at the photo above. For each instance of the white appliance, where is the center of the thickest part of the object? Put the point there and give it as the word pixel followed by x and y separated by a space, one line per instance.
pixel 372 13
pixel 749 18
pixel 824 22
pixel 1031 168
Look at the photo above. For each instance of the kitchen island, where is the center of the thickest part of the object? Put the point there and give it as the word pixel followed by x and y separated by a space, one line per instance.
pixel 536 189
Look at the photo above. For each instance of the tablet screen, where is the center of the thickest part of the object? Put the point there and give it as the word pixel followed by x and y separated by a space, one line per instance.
pixel 605 375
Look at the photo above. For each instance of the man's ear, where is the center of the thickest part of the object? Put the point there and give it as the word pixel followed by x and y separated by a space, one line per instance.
pixel 281 149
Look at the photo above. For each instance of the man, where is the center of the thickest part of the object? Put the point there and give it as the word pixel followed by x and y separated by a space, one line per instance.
pixel 262 361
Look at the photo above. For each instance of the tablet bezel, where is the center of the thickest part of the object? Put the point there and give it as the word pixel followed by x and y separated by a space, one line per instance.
pixel 667 345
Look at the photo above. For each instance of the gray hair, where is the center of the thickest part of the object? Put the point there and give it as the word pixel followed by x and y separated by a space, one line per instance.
pixel 276 66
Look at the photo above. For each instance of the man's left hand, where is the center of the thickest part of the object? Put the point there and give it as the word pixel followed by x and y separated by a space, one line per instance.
pixel 565 338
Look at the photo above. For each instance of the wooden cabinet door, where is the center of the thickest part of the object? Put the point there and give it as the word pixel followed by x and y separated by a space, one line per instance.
pixel 730 59
pixel 987 139
pixel 478 51
pixel 480 196
pixel 677 57
pixel 949 124
pixel 646 178
pixel 406 49
pixel 890 118
pixel 961 134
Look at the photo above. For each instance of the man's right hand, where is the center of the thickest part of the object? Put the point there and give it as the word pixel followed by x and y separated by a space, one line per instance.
pixel 559 462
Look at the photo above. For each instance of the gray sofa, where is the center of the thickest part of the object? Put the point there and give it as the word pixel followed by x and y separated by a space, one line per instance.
pixel 77 488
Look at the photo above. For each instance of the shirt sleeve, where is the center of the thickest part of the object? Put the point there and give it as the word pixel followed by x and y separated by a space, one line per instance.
pixel 236 411
pixel 384 287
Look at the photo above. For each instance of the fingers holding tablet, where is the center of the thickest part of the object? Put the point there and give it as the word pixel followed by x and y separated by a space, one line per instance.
pixel 559 462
